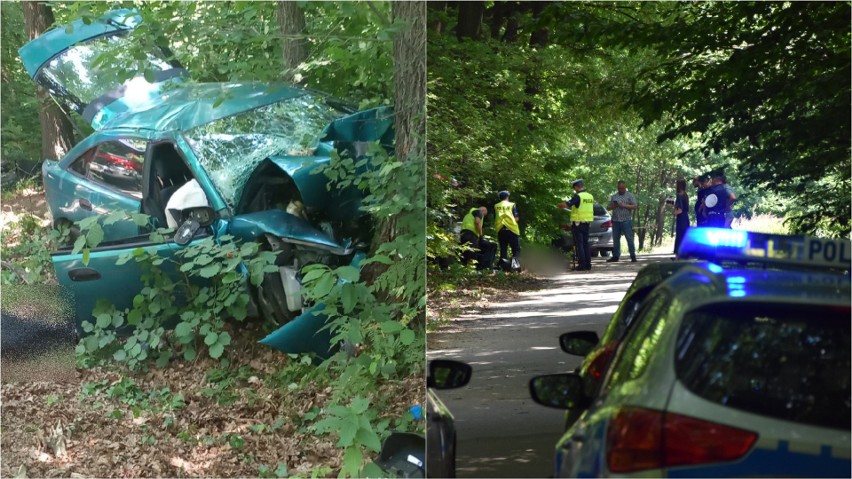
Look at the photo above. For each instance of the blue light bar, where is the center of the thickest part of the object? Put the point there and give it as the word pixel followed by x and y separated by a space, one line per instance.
pixel 721 244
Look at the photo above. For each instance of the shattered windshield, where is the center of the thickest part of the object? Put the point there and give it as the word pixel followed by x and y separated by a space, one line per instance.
pixel 86 71
pixel 229 149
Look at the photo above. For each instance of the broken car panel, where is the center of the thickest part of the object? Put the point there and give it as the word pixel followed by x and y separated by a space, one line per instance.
pixel 250 151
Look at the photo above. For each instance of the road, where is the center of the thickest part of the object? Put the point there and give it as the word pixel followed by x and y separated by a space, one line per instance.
pixel 501 432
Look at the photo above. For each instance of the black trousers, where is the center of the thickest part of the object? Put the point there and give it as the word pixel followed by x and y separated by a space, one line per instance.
pixel 509 238
pixel 581 242
pixel 680 232
pixel 483 250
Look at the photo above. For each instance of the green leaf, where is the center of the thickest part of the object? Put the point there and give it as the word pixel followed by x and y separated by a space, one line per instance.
pixel 224 338
pixel 369 438
pixel 313 274
pixel 119 355
pixel 189 354
pixel 349 297
pixel 140 219
pixel 371 469
pixel 348 273
pixel 209 271
pixel 216 350
pixel 104 320
pixel 85 259
pixel 360 405
pixel 183 329
pixel 406 337
pixel 186 267
pixel 203 259
pixel 379 259
pixel 211 338
pixel 94 236
pixel 281 470
pixel 163 360
pixel 352 461
pixel 154 307
pixel 391 326
pixel 323 286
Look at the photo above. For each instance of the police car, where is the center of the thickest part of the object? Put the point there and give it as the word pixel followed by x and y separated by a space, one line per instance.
pixel 738 367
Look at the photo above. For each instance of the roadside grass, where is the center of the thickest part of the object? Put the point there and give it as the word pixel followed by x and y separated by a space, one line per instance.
pixel 459 289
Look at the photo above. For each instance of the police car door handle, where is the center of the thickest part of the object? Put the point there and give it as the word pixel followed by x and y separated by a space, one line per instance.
pixel 85 204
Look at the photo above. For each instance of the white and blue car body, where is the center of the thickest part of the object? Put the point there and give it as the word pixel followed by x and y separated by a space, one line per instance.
pixel 735 368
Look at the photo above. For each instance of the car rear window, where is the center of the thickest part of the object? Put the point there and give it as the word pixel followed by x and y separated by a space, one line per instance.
pixel 599 210
pixel 784 361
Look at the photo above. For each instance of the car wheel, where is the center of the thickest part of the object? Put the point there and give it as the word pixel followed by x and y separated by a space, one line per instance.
pixel 272 301
pixel 603 252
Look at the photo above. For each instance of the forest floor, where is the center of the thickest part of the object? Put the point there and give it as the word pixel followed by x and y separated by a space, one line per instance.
pixel 251 417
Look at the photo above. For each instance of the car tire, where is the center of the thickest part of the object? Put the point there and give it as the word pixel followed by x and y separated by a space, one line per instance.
pixel 271 300
pixel 603 253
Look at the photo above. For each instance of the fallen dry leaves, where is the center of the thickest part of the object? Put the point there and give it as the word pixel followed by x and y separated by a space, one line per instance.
pixel 63 429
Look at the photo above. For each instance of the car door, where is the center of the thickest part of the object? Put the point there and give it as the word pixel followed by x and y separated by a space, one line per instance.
pixel 77 65
pixel 101 278
pixel 107 177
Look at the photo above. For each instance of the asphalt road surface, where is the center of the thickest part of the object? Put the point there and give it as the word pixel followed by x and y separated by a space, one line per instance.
pixel 501 431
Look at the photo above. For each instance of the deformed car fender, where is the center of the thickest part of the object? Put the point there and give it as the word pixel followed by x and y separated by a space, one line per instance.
pixel 288 227
pixel 306 333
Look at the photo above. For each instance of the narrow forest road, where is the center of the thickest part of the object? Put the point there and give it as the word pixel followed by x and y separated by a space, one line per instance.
pixel 501 431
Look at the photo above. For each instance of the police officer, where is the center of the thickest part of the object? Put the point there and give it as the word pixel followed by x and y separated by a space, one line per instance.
pixel 471 234
pixel 716 201
pixel 506 225
pixel 582 213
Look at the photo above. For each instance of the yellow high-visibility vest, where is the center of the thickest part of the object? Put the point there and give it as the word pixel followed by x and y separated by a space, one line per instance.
pixel 469 222
pixel 586 212
pixel 505 217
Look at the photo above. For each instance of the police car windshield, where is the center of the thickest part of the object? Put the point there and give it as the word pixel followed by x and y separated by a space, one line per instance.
pixel 789 362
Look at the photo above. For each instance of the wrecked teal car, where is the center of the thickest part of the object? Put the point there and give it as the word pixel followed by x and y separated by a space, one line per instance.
pixel 168 148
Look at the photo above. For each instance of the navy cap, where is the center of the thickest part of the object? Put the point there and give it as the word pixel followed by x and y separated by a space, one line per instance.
pixel 503 194
pixel 577 183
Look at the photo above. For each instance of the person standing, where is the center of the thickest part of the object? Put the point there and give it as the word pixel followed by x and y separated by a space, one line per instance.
pixel 702 185
pixel 582 213
pixel 716 202
pixel 732 198
pixel 681 212
pixel 506 225
pixel 622 206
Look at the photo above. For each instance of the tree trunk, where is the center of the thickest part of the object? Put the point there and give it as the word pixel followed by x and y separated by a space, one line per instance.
pixel 409 53
pixel 436 22
pixel 291 22
pixel 57 132
pixel 470 20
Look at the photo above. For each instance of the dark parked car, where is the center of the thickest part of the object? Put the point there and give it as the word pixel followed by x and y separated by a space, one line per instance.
pixel 440 426
pixel 600 234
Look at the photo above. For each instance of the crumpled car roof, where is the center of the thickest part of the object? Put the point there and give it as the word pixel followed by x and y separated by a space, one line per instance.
pixel 190 105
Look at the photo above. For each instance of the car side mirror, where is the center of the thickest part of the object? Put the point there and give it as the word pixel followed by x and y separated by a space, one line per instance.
pixel 196 218
pixel 561 391
pixel 448 374
pixel 579 343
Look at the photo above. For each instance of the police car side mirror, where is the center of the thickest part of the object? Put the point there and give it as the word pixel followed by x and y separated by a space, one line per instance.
pixel 448 374
pixel 579 343
pixel 196 218
pixel 561 391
